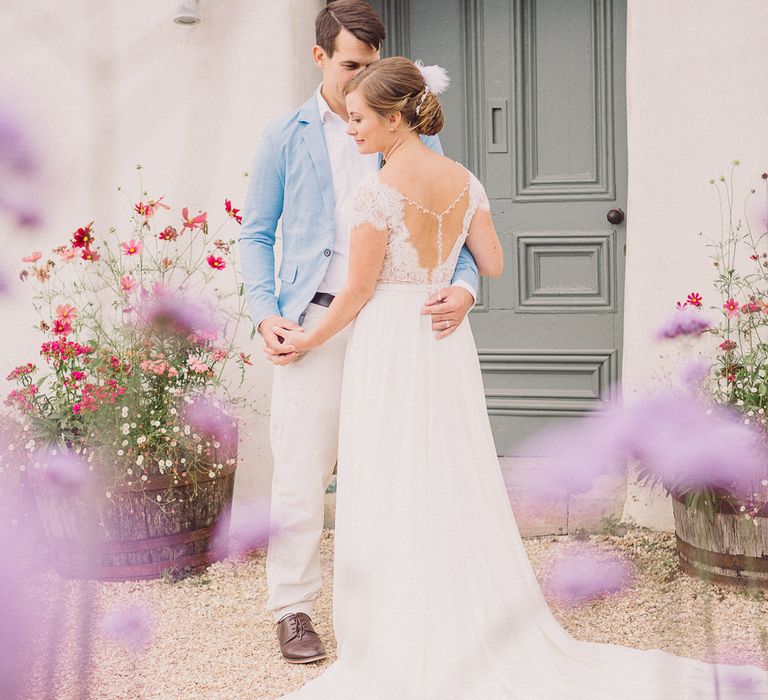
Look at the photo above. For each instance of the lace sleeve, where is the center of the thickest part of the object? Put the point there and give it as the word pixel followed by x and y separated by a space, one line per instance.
pixel 478 199
pixel 368 206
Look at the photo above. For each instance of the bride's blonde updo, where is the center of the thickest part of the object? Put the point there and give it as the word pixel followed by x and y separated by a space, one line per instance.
pixel 397 85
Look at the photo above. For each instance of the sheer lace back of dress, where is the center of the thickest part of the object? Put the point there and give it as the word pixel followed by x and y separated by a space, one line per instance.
pixel 423 245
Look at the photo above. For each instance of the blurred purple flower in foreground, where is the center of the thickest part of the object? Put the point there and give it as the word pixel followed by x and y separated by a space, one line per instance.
pixel 694 372
pixel 684 321
pixel 680 441
pixel 249 531
pixel 171 313
pixel 130 624
pixel 584 573
pixel 19 171
pixel 63 469
pixel 206 415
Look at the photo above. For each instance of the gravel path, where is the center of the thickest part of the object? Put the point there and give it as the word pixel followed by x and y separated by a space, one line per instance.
pixel 213 640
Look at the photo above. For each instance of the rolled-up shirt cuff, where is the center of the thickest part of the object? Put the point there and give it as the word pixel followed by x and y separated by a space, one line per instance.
pixel 468 287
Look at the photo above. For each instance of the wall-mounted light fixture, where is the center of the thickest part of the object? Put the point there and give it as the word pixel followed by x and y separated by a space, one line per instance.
pixel 187 12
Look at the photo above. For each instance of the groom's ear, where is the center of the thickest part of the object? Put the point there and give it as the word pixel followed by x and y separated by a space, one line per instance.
pixel 318 56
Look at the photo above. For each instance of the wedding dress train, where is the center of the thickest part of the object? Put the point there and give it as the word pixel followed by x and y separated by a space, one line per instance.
pixel 434 595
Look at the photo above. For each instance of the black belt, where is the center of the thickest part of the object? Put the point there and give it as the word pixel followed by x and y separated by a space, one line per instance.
pixel 323 299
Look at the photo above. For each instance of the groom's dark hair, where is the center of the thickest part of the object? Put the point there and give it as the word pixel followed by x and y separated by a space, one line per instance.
pixel 356 16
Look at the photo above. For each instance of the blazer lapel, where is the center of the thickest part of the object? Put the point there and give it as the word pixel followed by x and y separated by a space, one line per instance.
pixel 313 136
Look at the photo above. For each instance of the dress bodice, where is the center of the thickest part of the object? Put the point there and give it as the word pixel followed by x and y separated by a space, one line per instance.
pixel 383 206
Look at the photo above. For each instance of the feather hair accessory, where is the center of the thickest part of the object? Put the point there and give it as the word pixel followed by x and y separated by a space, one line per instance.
pixel 435 77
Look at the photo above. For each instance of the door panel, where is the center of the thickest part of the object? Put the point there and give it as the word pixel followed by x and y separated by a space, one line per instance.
pixel 536 109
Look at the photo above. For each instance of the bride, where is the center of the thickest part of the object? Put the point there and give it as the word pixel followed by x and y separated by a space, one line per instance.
pixel 434 596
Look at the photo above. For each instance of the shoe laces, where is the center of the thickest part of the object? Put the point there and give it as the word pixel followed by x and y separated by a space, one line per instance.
pixel 299 627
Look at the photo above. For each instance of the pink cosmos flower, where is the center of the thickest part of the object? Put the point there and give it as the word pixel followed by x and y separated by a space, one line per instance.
pixel 684 321
pixel 194 222
pixel 751 307
pixel 34 257
pixel 231 211
pixel 731 307
pixel 90 255
pixel 217 263
pixel 60 327
pixel 246 359
pixel 66 312
pixel 128 284
pixel 198 366
pixel 169 233
pixel 149 208
pixel 132 247
pixel 219 354
pixel 67 254
pixel 694 299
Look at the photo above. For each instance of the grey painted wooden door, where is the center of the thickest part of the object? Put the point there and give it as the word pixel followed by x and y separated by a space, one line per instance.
pixel 536 108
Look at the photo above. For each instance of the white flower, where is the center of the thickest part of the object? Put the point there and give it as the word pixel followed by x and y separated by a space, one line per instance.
pixel 175 428
pixel 30 445
pixel 764 482
pixel 143 477
pixel 173 411
pixel 158 497
pixel 211 475
pixel 217 445
pixel 126 428
pixel 109 494
pixel 124 412
pixel 129 470
pixel 120 453
pixel 141 439
pixel 187 430
pixel 750 413
pixel 124 443
pixel 140 460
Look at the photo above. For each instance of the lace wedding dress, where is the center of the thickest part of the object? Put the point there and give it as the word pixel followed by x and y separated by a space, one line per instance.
pixel 434 595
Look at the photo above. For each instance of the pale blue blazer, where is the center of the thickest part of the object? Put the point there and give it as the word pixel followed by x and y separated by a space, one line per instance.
pixel 291 178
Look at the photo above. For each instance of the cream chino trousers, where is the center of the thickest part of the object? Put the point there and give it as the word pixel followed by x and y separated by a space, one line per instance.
pixel 304 432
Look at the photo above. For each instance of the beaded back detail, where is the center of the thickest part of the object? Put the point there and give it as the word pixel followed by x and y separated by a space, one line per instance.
pixel 383 207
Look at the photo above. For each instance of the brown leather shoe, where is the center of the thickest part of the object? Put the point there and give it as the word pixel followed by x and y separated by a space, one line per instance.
pixel 298 640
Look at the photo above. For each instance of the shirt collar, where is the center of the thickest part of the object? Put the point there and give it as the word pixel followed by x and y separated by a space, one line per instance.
pixel 322 105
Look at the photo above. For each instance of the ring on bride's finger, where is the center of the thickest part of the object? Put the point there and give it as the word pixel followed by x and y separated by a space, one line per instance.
pixel 447 324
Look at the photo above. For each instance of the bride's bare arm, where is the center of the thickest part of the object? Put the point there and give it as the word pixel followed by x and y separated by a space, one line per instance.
pixel 367 247
pixel 483 243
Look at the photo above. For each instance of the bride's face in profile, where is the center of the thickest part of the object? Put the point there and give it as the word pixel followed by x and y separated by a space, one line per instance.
pixel 371 133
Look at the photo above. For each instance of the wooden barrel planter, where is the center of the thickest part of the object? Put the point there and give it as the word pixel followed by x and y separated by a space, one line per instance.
pixel 130 535
pixel 731 550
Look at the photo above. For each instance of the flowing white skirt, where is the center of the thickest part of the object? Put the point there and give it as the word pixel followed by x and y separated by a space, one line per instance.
pixel 434 595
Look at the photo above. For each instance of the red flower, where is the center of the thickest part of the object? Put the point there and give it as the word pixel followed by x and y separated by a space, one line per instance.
pixel 246 359
pixel 148 209
pixel 66 312
pixel 168 234
pixel 232 211
pixel 90 255
pixel 727 345
pixel 194 222
pixel 694 299
pixel 83 237
pixel 751 307
pixel 61 327
pixel 216 263
pixel 34 257
pixel 754 257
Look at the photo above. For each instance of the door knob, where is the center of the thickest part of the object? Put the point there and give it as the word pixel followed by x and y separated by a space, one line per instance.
pixel 615 216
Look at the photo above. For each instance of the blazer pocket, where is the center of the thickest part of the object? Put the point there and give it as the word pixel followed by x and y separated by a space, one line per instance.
pixel 287 271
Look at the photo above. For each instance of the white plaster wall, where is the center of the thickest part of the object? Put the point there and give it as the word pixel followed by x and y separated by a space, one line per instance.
pixel 108 84
pixel 696 82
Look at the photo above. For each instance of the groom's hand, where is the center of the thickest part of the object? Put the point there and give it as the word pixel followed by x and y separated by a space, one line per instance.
pixel 448 308
pixel 273 343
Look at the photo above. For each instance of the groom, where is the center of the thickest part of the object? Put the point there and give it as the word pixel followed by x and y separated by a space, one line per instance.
pixel 306 168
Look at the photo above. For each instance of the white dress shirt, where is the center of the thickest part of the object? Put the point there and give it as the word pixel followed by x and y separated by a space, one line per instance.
pixel 348 168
